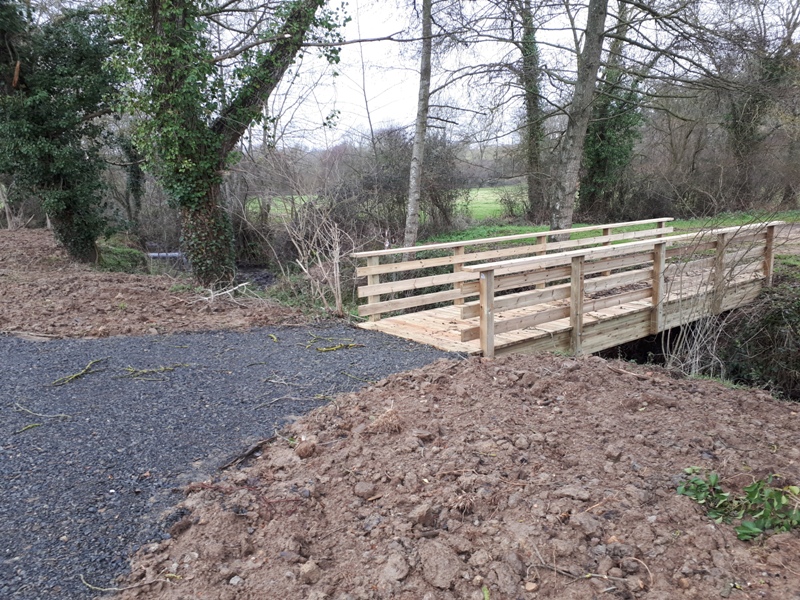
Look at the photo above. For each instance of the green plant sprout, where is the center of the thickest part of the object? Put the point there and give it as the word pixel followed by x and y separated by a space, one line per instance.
pixel 761 509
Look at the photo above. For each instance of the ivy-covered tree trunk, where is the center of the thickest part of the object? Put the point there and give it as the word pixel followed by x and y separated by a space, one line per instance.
pixel 420 130
pixel 195 116
pixel 208 238
pixel 612 133
pixel 534 134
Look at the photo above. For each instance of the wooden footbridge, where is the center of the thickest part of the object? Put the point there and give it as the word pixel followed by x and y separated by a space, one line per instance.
pixel 525 293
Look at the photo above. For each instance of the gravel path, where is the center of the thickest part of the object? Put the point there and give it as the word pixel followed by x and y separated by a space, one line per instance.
pixel 88 469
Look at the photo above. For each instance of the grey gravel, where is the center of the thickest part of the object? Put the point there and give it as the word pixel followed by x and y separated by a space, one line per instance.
pixel 96 475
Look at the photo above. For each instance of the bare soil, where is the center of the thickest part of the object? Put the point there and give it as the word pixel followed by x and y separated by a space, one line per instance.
pixel 525 477
pixel 44 294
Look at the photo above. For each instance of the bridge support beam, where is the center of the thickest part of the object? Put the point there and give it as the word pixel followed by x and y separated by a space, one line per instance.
pixel 373 261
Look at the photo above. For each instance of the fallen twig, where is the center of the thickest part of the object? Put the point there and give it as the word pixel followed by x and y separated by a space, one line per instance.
pixel 357 378
pixel 19 408
pixel 276 400
pixel 339 347
pixel 246 454
pixel 27 427
pixel 624 372
pixel 132 373
pixel 118 589
pixel 86 371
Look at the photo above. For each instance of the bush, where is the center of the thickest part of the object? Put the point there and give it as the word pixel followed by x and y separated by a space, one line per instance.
pixel 763 340
pixel 115 254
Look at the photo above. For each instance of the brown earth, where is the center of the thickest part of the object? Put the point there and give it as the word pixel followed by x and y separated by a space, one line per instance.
pixel 44 294
pixel 526 477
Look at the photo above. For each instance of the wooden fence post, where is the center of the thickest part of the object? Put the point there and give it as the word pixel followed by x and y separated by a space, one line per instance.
pixel 769 255
pixel 457 268
pixel 659 284
pixel 542 242
pixel 606 232
pixel 576 304
pixel 719 273
pixel 373 261
pixel 487 313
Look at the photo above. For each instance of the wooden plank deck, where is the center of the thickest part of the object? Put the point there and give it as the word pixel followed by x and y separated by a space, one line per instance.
pixel 688 299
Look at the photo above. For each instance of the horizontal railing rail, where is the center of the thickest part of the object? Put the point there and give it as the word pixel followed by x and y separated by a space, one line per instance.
pixel 387 280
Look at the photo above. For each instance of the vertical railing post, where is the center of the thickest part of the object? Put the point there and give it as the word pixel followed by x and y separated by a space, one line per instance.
pixel 457 268
pixel 661 225
pixel 769 255
pixel 659 284
pixel 606 233
pixel 542 243
pixel 576 305
pixel 719 273
pixel 373 261
pixel 487 313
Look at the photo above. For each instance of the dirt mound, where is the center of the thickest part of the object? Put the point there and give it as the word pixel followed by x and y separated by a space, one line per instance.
pixel 46 294
pixel 524 477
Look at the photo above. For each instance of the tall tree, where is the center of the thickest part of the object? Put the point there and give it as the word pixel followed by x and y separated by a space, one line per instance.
pixel 564 188
pixel 420 128
pixel 613 130
pixel 198 104
pixel 530 80
pixel 57 82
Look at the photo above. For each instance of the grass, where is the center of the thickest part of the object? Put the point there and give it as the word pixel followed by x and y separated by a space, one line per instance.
pixel 484 203
pixel 733 219
pixel 681 225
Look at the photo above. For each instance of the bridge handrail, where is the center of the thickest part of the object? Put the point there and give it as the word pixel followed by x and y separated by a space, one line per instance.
pixel 505 238
pixel 404 274
pixel 514 265
pixel 570 265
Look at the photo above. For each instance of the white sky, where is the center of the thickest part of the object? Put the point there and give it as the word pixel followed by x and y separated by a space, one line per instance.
pixel 381 77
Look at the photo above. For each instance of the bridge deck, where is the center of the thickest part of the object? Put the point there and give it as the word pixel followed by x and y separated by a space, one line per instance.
pixel 579 300
pixel 442 327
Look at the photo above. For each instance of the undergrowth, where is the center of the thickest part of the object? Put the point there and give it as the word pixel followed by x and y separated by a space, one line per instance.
pixel 763 345
pixel 116 255
pixel 762 508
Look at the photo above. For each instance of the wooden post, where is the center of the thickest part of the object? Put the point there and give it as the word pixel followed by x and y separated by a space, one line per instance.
pixel 542 243
pixel 457 268
pixel 719 273
pixel 487 313
pixel 769 256
pixel 576 304
pixel 373 261
pixel 661 225
pixel 659 286
pixel 606 233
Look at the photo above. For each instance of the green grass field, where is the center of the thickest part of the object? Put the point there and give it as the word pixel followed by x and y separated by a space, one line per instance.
pixel 484 203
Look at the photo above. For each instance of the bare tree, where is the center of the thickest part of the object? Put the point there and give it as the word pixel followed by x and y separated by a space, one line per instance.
pixel 565 187
pixel 420 128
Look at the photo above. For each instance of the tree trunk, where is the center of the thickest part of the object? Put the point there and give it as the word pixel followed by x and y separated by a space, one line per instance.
pixel 535 209
pixel 565 186
pixel 207 239
pixel 418 148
